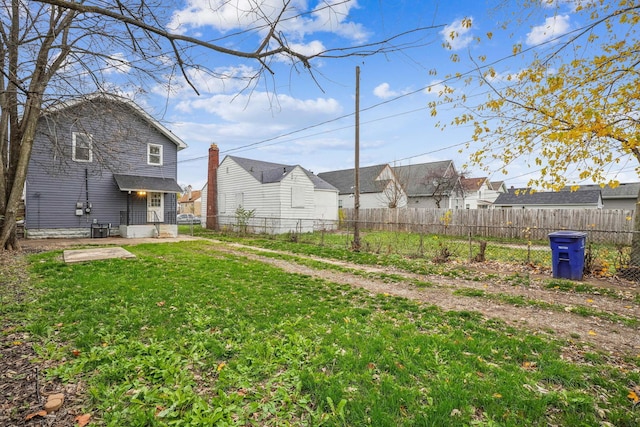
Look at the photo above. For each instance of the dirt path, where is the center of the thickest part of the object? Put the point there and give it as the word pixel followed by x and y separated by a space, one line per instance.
pixel 613 337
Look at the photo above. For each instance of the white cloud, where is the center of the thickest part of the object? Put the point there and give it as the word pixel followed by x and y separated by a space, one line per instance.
pixel 224 16
pixel 383 91
pixel 458 34
pixel 258 113
pixel 553 27
pixel 219 80
pixel 309 49
pixel 117 63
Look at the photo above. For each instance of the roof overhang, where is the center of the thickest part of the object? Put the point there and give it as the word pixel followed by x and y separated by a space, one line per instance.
pixel 147 183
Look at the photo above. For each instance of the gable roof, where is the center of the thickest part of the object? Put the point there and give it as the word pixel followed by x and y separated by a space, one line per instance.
pixel 418 179
pixel 195 195
pixel 101 97
pixel 344 180
pixel 268 172
pixel 496 185
pixel 524 196
pixel 472 184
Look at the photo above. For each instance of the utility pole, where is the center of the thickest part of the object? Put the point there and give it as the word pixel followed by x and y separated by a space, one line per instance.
pixel 356 202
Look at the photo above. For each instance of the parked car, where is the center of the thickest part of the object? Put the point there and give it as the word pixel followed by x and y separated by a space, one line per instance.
pixel 188 218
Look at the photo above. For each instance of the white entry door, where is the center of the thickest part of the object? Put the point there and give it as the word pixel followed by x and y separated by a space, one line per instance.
pixel 155 207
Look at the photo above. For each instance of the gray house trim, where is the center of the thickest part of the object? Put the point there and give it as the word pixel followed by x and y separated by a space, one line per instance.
pixel 147 183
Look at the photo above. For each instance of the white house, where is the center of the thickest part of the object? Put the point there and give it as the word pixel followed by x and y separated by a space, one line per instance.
pixel 379 187
pixel 478 193
pixel 283 198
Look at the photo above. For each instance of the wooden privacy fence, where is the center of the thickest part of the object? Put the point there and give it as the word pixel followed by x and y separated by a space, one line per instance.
pixel 610 225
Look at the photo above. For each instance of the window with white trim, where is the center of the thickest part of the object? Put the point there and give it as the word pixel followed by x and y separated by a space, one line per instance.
pixel 82 147
pixel 154 154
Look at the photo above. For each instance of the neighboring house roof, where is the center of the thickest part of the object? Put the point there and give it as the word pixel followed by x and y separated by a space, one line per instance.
pixel 344 180
pixel 496 185
pixel 99 97
pixel 524 196
pixel 627 190
pixel 418 179
pixel 472 184
pixel 268 172
pixel 195 195
pixel 147 183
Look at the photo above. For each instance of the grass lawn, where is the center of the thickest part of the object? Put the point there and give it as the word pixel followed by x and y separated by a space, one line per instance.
pixel 185 335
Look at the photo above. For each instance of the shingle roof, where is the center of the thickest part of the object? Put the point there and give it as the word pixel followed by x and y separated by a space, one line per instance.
pixel 344 180
pixel 628 190
pixel 268 172
pixel 418 179
pixel 195 195
pixel 523 196
pixel 472 184
pixel 495 185
pixel 146 183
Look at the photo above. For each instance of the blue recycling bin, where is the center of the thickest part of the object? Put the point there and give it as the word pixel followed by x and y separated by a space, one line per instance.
pixel 567 254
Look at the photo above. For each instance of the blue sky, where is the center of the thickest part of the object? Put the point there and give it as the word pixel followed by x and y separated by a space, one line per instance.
pixel 293 117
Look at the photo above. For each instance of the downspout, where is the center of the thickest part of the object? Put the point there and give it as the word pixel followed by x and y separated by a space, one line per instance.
pixel 86 187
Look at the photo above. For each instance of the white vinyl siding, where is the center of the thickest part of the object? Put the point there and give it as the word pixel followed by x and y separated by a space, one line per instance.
pixel 297 197
pixel 270 201
pixel 82 147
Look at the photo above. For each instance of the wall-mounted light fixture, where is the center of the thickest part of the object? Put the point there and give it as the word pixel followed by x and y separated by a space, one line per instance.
pixel 142 193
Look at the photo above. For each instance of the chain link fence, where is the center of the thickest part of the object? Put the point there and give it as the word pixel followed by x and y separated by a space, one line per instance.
pixel 607 253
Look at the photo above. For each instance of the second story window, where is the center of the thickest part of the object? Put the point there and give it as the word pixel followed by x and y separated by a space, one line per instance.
pixel 81 147
pixel 154 154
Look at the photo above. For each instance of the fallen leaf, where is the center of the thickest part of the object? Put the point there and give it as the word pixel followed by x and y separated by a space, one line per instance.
pixel 220 366
pixel 592 333
pixel 634 396
pixel 160 304
pixel 497 395
pixel 36 414
pixel 83 419
pixel 589 300
pixel 75 352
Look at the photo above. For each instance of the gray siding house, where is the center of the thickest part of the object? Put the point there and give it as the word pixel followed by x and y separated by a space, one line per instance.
pixel 101 166
pixel 379 187
pixel 431 185
pixel 624 196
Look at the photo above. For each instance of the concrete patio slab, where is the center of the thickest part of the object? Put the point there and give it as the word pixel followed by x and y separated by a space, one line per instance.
pixel 81 255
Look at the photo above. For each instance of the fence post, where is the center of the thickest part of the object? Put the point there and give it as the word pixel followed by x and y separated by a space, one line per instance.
pixel 470 246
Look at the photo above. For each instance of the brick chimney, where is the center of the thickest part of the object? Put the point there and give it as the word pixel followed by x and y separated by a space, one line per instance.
pixel 212 188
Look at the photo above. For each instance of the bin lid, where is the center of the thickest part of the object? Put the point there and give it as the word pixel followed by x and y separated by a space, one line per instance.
pixel 568 233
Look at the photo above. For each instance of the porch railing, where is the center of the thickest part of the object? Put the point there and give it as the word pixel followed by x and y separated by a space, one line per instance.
pixel 141 217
